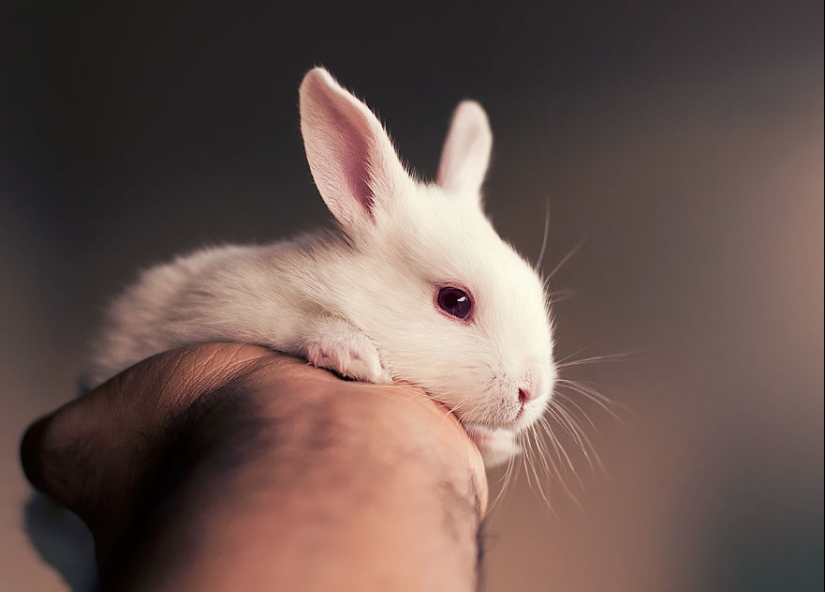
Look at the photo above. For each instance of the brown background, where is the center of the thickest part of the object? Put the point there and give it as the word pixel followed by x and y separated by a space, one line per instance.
pixel 682 142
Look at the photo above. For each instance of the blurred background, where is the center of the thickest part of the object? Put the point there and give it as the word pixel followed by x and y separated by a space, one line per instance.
pixel 681 142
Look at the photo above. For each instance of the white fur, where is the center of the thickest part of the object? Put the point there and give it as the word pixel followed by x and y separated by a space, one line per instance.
pixel 362 300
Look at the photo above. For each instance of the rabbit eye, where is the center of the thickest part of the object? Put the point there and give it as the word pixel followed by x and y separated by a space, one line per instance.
pixel 455 302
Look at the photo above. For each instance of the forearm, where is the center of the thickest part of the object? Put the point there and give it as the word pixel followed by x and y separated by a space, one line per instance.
pixel 371 488
pixel 324 507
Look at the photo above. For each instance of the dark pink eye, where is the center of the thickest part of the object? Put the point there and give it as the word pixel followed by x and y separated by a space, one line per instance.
pixel 455 302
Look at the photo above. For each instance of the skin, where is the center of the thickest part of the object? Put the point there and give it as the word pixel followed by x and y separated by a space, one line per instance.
pixel 230 467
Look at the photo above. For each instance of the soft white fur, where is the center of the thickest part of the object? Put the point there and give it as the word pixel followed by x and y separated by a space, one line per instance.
pixel 361 300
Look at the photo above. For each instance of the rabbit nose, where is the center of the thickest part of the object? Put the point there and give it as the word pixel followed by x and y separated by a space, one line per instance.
pixel 524 395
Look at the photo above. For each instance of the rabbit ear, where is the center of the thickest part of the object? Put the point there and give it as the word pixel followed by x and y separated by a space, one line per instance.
pixel 350 155
pixel 466 152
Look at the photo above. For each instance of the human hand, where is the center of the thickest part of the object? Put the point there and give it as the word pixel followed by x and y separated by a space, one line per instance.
pixel 228 466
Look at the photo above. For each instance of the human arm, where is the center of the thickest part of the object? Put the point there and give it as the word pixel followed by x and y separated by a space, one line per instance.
pixel 226 467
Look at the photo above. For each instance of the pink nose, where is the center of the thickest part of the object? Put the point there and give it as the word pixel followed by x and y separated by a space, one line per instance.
pixel 524 395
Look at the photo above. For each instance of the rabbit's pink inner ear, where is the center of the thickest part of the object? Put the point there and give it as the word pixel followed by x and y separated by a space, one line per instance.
pixel 346 161
pixel 349 154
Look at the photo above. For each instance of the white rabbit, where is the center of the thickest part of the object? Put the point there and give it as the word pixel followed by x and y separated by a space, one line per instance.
pixel 414 285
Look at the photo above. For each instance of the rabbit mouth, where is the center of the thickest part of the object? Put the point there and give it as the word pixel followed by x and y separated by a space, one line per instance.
pixel 515 420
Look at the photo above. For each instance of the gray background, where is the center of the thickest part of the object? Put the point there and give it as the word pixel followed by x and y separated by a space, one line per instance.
pixel 683 142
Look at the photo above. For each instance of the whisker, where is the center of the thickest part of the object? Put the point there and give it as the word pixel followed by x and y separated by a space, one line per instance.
pixel 620 357
pixel 503 484
pixel 537 267
pixel 611 407
pixel 561 361
pixel 539 489
pixel 561 454
pixel 542 444
pixel 581 437
pixel 558 404
pixel 533 440
pixel 557 296
pixel 566 258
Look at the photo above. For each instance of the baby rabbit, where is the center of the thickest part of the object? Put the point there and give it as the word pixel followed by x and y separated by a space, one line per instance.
pixel 414 284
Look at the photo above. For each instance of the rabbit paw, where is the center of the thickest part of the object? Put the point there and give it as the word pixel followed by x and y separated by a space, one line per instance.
pixel 338 346
pixel 497 446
